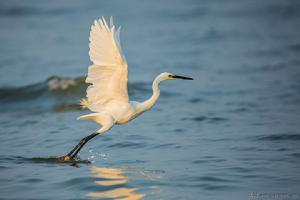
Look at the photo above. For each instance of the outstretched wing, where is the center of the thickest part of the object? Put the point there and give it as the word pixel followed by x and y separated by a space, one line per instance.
pixel 108 75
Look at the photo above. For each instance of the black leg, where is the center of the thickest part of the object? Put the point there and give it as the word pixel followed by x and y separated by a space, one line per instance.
pixel 82 142
pixel 76 147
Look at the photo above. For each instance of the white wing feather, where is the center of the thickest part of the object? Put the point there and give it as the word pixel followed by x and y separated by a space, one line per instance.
pixel 108 75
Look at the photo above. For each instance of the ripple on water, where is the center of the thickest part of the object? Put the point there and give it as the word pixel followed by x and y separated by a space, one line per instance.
pixel 127 144
pixel 13 159
pixel 3 167
pixel 296 155
pixel 212 179
pixel 78 184
pixel 248 149
pixel 294 47
pixel 178 130
pixel 240 110
pixel 138 137
pixel 217 187
pixel 240 169
pixel 195 100
pixel 32 180
pixel 277 137
pixel 208 182
pixel 208 119
pixel 164 146
pixel 213 160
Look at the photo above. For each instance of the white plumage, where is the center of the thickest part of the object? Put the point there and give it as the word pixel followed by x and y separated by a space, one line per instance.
pixel 107 95
pixel 108 74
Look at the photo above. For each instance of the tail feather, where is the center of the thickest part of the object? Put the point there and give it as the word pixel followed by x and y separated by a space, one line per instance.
pixel 91 116
pixel 106 121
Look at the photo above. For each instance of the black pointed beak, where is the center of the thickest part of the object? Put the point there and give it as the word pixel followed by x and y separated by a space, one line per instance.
pixel 182 77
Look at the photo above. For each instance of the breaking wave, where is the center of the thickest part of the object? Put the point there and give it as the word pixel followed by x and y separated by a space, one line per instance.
pixel 55 86
pixel 62 92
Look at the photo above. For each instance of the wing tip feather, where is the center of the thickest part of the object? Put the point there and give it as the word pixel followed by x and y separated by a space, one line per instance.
pixel 111 21
pixel 84 103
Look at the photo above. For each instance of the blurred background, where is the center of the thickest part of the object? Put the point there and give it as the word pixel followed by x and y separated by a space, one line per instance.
pixel 233 132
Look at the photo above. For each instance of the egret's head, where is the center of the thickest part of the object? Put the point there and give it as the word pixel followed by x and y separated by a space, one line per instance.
pixel 170 76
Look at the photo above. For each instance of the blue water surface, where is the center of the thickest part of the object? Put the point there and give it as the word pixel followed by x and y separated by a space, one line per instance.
pixel 232 133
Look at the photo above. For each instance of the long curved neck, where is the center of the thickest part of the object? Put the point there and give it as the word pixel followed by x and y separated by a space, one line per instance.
pixel 146 105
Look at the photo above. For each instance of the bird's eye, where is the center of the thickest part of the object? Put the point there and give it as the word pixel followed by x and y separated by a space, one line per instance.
pixel 170 76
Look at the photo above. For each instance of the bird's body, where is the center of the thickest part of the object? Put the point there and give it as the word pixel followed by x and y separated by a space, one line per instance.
pixel 107 95
pixel 123 112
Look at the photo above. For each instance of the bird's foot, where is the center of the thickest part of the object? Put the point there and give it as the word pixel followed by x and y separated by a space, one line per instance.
pixel 65 159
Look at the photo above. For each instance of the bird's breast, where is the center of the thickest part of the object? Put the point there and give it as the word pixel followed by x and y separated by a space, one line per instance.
pixel 125 117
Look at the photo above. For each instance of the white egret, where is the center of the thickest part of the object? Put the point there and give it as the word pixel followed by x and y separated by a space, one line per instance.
pixel 107 96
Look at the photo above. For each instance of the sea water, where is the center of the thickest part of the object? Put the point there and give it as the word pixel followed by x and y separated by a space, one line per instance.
pixel 232 133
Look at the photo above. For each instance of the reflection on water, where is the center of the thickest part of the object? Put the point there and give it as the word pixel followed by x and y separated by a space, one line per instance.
pixel 113 177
